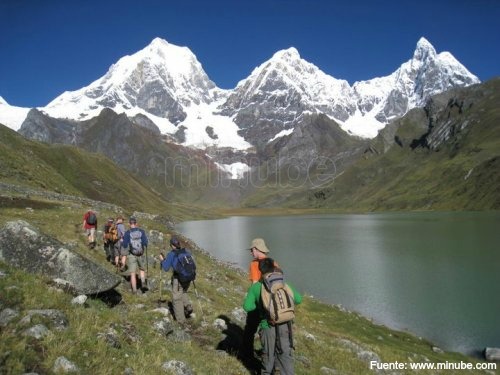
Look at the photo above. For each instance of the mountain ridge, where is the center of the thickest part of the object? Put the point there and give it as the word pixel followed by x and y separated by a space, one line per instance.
pixel 168 84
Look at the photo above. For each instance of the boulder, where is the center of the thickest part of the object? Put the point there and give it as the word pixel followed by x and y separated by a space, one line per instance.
pixel 23 246
pixel 492 354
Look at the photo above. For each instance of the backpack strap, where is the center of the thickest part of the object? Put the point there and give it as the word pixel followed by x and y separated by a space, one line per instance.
pixel 290 334
pixel 278 349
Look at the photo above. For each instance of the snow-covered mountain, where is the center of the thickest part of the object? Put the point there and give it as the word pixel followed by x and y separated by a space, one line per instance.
pixel 284 88
pixel 12 116
pixel 167 84
pixel 427 73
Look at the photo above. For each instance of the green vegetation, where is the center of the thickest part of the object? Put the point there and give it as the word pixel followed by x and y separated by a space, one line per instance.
pixel 73 171
pixel 325 336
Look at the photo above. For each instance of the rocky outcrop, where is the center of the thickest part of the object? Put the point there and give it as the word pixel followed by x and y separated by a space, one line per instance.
pixel 23 246
pixel 492 354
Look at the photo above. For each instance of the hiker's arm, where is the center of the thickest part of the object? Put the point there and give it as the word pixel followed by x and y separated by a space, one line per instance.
pixel 297 297
pixel 250 302
pixel 126 239
pixel 144 239
pixel 167 262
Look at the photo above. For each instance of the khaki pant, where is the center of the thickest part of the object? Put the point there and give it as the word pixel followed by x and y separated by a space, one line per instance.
pixel 180 299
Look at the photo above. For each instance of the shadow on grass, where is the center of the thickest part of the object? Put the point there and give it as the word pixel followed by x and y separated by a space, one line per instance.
pixel 111 297
pixel 232 343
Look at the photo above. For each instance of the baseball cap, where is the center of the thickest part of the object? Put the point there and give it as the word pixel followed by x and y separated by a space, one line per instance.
pixel 175 242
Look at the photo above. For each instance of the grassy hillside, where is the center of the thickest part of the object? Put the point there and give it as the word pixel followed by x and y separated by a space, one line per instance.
pixel 70 170
pixel 327 338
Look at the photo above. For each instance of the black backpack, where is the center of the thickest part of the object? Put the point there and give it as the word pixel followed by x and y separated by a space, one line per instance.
pixel 92 219
pixel 184 267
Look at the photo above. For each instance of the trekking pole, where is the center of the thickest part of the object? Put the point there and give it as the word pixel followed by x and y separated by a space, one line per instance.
pixel 160 301
pixel 147 269
pixel 199 303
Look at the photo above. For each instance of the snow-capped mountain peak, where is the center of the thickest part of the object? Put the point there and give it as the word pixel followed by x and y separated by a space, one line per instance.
pixel 424 50
pixel 161 79
pixel 286 86
pixel 168 84
pixel 12 116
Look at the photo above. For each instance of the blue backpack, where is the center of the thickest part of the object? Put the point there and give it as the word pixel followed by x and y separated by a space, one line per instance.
pixel 184 266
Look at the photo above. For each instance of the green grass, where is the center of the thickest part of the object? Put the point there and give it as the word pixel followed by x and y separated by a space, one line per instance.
pixel 320 329
pixel 73 171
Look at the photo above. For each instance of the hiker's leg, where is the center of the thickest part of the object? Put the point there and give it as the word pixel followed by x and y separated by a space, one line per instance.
pixel 177 296
pixel 92 235
pixel 284 361
pixel 116 253
pixel 133 269
pixel 185 297
pixel 87 233
pixel 268 341
pixel 124 252
pixel 143 278
pixel 133 282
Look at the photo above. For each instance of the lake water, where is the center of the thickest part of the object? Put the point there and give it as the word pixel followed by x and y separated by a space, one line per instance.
pixel 434 274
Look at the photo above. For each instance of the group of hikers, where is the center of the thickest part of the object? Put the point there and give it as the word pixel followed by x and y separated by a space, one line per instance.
pixel 269 302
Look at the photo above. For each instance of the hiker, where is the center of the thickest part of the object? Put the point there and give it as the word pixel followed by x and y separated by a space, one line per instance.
pixel 119 252
pixel 135 241
pixel 109 239
pixel 259 251
pixel 275 336
pixel 89 226
pixel 182 276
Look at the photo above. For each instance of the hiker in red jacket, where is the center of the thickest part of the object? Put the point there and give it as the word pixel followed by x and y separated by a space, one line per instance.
pixel 89 226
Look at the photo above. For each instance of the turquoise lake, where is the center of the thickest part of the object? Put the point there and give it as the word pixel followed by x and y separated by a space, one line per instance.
pixel 436 275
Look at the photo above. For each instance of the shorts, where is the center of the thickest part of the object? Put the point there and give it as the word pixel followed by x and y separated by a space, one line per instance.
pixel 134 262
pixel 122 250
pixel 117 248
pixel 90 232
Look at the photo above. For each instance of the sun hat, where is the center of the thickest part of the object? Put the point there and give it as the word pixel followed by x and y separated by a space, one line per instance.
pixel 260 245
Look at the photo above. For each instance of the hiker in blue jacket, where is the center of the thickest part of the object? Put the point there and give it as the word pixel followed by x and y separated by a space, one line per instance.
pixel 182 304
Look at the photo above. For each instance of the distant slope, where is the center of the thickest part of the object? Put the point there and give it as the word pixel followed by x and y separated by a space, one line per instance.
pixel 70 170
pixel 445 156
pixel 178 173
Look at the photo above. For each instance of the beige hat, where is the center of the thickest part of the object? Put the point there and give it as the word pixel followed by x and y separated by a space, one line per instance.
pixel 260 245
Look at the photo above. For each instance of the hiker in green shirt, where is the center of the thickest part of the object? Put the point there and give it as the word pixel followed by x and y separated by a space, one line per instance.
pixel 276 339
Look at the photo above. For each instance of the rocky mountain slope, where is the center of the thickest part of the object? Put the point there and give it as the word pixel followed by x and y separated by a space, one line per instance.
pixel 69 170
pixel 443 156
pixel 277 93
pixel 168 84
pixel 158 115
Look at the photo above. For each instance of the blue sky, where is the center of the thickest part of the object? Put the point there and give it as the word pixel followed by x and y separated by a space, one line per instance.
pixel 52 46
